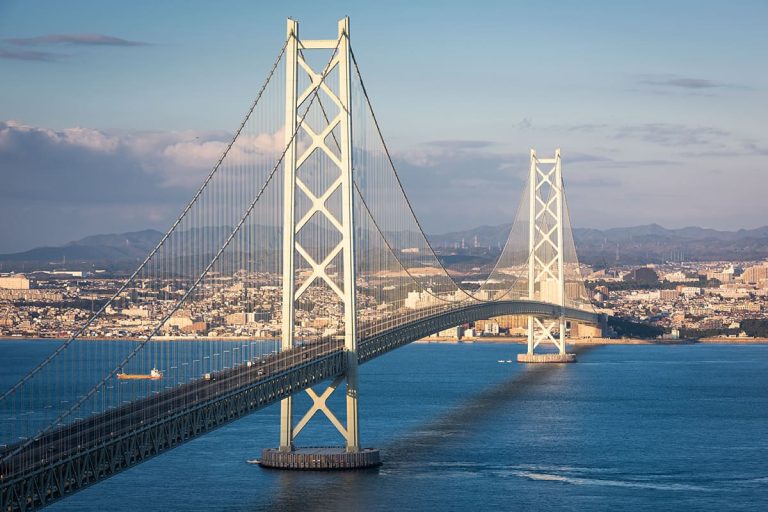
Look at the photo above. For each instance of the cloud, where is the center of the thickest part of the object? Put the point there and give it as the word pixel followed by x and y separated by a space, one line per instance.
pixel 589 160
pixel 578 158
pixel 431 153
pixel 63 184
pixel 591 182
pixel 756 149
pixel 453 189
pixel 525 124
pixel 74 39
pixel 58 39
pixel 457 186
pixel 459 144
pixel 564 128
pixel 663 134
pixel 76 163
pixel 685 83
pixel 669 84
pixel 720 153
pixel 60 185
pixel 12 132
pixel 29 55
pixel 461 184
pixel 667 134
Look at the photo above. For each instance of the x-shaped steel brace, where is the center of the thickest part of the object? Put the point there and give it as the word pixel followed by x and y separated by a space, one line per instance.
pixel 544 332
pixel 318 269
pixel 319 404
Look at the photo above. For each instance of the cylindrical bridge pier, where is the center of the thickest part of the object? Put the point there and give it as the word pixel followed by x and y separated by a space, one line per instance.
pixel 546 358
pixel 320 459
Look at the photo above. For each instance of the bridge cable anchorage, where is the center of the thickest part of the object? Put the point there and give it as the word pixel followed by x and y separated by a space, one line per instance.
pixel 113 373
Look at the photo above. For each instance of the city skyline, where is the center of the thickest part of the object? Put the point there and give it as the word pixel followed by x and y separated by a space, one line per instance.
pixel 100 134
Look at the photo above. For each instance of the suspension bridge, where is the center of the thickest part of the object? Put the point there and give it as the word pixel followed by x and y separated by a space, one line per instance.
pixel 301 233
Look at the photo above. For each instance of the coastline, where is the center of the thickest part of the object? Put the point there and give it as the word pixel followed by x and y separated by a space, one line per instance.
pixel 512 340
pixel 520 340
pixel 603 341
pixel 717 340
pixel 141 338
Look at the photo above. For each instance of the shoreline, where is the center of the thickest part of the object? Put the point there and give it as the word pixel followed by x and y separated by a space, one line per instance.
pixel 511 340
pixel 586 342
pixel 716 340
pixel 141 338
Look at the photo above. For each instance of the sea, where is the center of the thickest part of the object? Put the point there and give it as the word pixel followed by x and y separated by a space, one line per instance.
pixel 462 427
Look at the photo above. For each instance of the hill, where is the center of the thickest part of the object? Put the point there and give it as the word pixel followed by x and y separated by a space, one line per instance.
pixel 630 245
pixel 650 243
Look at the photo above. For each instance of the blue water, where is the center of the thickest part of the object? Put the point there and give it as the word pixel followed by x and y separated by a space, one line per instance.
pixel 638 427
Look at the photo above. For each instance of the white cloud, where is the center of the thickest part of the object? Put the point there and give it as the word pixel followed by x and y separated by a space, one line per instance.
pixel 135 180
pixel 82 137
pixel 79 181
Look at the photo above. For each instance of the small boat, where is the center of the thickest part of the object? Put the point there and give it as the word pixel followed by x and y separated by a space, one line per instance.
pixel 155 374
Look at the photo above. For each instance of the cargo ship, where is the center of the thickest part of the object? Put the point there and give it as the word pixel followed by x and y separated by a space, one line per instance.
pixel 155 374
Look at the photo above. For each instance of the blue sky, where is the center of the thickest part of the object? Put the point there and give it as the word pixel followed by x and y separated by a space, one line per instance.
pixel 660 108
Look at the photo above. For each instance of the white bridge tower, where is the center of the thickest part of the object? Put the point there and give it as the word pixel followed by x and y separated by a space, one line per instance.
pixel 298 162
pixel 546 266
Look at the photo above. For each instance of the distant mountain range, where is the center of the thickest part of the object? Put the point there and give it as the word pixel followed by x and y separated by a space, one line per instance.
pixel 97 250
pixel 632 245
pixel 636 245
pixel 656 244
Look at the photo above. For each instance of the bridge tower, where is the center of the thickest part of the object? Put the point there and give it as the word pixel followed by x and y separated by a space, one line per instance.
pixel 298 164
pixel 546 266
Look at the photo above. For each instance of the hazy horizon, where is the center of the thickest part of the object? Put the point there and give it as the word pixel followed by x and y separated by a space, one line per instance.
pixel 430 235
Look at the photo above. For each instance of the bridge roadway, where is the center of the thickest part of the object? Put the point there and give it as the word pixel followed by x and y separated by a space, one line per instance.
pixel 86 451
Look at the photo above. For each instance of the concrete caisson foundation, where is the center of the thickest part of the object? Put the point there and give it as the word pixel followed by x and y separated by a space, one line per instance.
pixel 320 459
pixel 546 358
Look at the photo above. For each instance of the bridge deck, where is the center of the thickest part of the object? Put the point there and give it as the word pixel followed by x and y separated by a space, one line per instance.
pixel 82 453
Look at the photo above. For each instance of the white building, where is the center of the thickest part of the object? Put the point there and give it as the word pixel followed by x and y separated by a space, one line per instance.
pixel 678 277
pixel 690 291
pixel 453 332
pixel 491 328
pixel 419 300
pixel 135 312
pixel 14 282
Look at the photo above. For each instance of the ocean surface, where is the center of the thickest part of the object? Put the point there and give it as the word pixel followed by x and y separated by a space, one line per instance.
pixel 639 427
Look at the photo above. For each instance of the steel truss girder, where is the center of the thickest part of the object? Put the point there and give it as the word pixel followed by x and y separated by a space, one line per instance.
pixel 391 339
pixel 545 259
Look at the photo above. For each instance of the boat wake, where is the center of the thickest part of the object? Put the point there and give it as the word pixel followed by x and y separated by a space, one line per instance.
pixel 576 480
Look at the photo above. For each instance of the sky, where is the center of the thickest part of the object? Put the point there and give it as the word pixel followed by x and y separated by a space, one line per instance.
pixel 112 112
